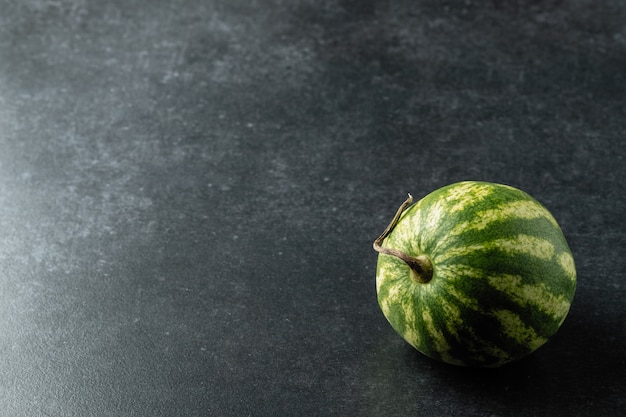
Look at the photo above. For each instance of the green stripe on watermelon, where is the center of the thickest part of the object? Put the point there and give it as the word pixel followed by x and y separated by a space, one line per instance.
pixel 486 242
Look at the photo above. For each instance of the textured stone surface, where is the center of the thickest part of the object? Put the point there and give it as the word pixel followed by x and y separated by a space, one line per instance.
pixel 189 191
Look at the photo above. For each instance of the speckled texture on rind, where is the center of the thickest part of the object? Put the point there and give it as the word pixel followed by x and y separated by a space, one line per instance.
pixel 503 282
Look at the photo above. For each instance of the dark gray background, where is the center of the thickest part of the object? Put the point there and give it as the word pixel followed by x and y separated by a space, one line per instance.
pixel 189 191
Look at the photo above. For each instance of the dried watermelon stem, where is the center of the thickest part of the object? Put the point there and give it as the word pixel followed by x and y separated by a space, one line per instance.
pixel 420 266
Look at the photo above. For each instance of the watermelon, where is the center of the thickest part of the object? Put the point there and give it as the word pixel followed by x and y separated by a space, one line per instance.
pixel 475 274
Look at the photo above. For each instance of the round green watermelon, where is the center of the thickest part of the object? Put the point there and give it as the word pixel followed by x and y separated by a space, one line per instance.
pixel 475 274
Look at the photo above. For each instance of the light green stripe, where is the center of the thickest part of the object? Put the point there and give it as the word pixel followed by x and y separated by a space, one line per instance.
pixel 420 226
pixel 518 245
pixel 463 299
pixel 515 328
pixel 523 209
pixel 452 313
pixel 412 336
pixel 381 275
pixel 478 347
pixel 567 263
pixel 536 295
pixel 439 340
pixel 450 274
pixel 531 245
pixel 410 333
pixel 463 194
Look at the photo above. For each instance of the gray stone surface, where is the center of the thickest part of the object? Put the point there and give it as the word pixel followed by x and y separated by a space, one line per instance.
pixel 189 191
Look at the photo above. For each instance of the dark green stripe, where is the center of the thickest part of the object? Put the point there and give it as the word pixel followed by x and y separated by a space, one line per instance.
pixel 502 229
